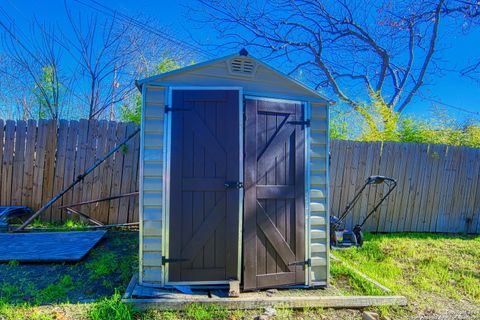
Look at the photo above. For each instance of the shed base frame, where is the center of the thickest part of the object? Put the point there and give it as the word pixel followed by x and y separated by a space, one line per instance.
pixel 144 298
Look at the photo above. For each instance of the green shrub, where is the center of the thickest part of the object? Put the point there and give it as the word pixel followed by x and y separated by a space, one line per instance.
pixel 111 309
pixel 375 121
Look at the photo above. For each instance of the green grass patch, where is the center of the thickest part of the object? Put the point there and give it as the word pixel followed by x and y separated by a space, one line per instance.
pixel 414 264
pixel 66 225
pixel 356 285
pixel 55 292
pixel 205 312
pixel 111 309
pixel 103 264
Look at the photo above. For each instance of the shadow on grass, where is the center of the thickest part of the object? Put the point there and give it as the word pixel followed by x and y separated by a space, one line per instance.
pixel 107 268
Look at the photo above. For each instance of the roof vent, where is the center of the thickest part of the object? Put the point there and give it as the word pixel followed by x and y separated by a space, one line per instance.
pixel 242 66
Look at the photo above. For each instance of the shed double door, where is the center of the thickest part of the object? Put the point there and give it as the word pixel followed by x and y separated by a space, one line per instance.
pixel 204 198
pixel 274 216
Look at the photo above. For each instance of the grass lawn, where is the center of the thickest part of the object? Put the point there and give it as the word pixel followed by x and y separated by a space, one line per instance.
pixel 439 274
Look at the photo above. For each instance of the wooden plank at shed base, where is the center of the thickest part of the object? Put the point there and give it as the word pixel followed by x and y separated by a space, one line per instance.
pixel 278 302
pixel 177 301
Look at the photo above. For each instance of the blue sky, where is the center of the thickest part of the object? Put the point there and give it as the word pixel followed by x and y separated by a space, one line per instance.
pixel 449 88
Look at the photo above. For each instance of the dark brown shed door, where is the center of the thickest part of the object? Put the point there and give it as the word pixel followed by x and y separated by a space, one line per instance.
pixel 204 213
pixel 274 246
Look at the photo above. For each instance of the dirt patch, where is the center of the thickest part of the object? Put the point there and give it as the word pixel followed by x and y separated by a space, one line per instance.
pixel 108 267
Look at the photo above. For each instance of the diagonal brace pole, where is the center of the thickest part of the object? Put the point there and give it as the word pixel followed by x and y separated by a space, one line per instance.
pixel 77 180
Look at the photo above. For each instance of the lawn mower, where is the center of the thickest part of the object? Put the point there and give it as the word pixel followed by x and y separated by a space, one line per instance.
pixel 342 238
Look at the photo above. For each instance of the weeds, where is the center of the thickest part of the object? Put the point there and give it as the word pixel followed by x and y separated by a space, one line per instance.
pixel 8 291
pixel 55 292
pixel 111 309
pixel 205 312
pixel 102 265
pixel 13 263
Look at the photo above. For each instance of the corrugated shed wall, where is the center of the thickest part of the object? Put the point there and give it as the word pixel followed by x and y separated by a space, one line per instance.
pixel 319 194
pixel 151 188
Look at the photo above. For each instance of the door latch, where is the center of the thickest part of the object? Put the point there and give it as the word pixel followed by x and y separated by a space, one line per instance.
pixel 300 123
pixel 233 185
pixel 170 109
pixel 307 262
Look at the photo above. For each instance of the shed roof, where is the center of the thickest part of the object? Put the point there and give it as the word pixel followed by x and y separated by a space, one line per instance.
pixel 255 76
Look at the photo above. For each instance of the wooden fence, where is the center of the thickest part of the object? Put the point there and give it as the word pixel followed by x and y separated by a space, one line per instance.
pixel 40 159
pixel 438 186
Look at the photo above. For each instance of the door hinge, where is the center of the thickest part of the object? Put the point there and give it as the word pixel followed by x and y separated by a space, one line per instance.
pixel 166 260
pixel 307 262
pixel 168 109
pixel 233 185
pixel 300 123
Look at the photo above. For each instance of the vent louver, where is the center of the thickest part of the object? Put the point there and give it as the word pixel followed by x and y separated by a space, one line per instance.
pixel 242 67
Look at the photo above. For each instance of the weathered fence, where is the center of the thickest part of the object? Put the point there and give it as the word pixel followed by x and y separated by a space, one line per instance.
pixel 438 186
pixel 40 159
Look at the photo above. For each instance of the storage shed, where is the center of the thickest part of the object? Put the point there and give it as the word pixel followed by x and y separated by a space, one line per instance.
pixel 233 177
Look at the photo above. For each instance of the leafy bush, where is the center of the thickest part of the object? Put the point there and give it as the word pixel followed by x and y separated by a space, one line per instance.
pixel 131 113
pixel 377 122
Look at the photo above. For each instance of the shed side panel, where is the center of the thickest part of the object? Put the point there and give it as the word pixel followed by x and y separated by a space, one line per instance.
pixel 151 188
pixel 319 194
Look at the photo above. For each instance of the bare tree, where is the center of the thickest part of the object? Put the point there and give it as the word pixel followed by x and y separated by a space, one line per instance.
pixel 103 51
pixel 32 63
pixel 469 12
pixel 355 48
pixel 16 95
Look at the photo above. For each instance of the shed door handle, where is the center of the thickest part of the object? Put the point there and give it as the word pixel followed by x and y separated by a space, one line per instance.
pixel 233 185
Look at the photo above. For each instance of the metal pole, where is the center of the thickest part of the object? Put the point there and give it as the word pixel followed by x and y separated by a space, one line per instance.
pixel 98 200
pixel 77 180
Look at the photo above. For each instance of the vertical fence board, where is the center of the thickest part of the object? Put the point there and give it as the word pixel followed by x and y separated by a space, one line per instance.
pixel 133 216
pixel 18 162
pixel 7 165
pixel 106 179
pixel 389 204
pixel 359 181
pixel 80 159
pixel 434 179
pixel 127 172
pixel 450 191
pixel 101 143
pixel 116 187
pixel 39 164
pixel 60 167
pixel 90 158
pixel 412 179
pixel 376 148
pixel 69 170
pixel 367 155
pixel 439 155
pixel 399 175
pixel 457 217
pixel 49 167
pixel 420 186
pixel 472 211
pixel 28 167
